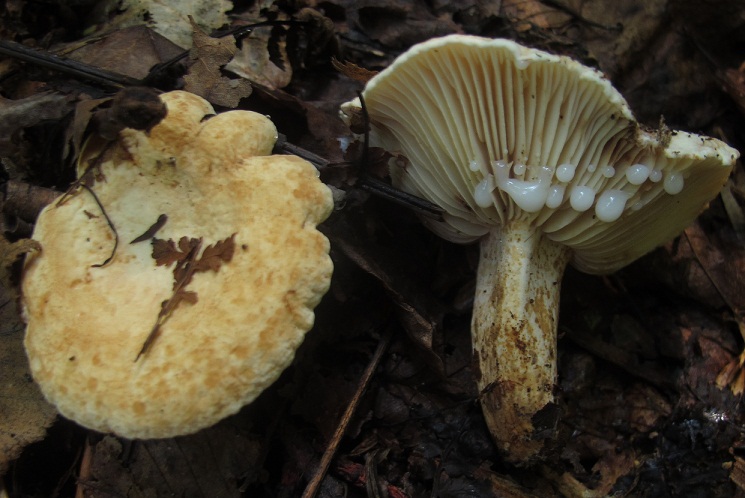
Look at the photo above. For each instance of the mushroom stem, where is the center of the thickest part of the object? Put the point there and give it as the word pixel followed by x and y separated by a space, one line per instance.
pixel 515 315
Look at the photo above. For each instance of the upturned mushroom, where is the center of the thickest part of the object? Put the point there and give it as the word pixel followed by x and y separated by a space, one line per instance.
pixel 541 160
pixel 210 290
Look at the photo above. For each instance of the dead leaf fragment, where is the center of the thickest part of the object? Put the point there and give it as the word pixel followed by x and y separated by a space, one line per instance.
pixel 166 253
pixel 611 467
pixel 215 255
pixel 208 56
pixel 10 252
pixel 130 51
pixel 737 475
pixel 525 14
pixel 254 60
pixel 353 71
pixel 16 115
pixel 169 18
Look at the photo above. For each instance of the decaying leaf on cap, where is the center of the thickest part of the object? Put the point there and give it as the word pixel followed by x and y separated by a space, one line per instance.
pixel 258 268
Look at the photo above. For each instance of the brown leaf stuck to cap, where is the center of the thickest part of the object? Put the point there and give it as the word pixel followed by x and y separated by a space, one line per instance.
pixel 187 264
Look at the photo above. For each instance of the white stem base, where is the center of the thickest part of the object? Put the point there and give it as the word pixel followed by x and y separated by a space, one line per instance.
pixel 514 333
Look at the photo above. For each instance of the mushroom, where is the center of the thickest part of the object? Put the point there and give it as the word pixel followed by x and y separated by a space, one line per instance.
pixel 219 263
pixel 541 160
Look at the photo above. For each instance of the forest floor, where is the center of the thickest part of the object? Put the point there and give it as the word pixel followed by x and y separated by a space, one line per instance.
pixel 650 367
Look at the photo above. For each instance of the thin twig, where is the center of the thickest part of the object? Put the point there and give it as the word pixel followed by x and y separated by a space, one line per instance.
pixel 67 66
pixel 366 182
pixel 328 455
pixel 416 204
pixel 117 81
pixel 109 222
pixel 86 465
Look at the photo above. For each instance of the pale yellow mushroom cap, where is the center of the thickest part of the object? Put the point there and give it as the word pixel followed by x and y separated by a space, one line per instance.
pixel 213 177
pixel 494 132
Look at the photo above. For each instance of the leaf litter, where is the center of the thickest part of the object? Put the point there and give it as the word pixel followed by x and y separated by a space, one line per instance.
pixel 642 350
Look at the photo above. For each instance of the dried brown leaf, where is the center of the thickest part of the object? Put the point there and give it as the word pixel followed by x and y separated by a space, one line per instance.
pixel 165 253
pixel 9 254
pixel 353 71
pixel 737 475
pixel 614 464
pixel 215 255
pixel 262 59
pixel 208 57
pixel 16 115
pixel 131 51
pixel 723 261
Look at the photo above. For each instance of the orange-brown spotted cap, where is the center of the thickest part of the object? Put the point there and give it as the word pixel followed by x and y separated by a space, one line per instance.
pixel 214 179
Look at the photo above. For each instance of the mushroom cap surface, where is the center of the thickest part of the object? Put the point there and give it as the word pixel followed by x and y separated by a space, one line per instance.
pixel 214 179
pixel 494 132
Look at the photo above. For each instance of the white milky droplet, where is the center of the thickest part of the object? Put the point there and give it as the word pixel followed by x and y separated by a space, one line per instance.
pixel 609 171
pixel 565 172
pixel 673 183
pixel 530 196
pixel 637 174
pixel 611 204
pixel 473 165
pixel 482 194
pixel 655 175
pixel 581 198
pixel 555 196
